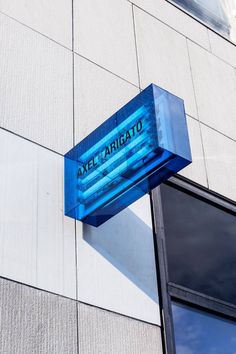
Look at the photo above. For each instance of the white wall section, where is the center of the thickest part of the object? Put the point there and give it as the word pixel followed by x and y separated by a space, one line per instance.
pixel 52 19
pixel 98 95
pixel 176 19
pixel 37 242
pixel 35 86
pixel 196 171
pixel 215 87
pixel 163 59
pixel 223 49
pixel 220 154
pixel 104 33
pixel 116 265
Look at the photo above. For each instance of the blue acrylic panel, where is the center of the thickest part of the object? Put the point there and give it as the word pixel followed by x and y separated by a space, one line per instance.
pixel 132 152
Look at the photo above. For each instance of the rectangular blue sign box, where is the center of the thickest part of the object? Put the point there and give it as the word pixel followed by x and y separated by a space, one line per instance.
pixel 132 152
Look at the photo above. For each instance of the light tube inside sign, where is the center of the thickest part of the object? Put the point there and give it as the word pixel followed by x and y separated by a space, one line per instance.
pixel 140 146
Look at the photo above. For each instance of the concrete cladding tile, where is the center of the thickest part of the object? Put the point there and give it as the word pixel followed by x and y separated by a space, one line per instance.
pixel 105 332
pixel 163 59
pixel 196 171
pixel 104 33
pixel 116 264
pixel 220 153
pixel 36 322
pixel 222 48
pixel 215 87
pixel 37 242
pixel 98 94
pixel 177 19
pixel 35 86
pixel 53 19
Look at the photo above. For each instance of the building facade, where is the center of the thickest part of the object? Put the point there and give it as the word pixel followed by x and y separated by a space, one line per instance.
pixel 159 277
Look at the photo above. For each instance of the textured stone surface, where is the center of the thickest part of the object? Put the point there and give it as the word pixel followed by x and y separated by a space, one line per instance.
pixel 37 242
pixel 222 48
pixel 35 86
pixel 33 321
pixel 177 19
pixel 116 264
pixel 215 88
pixel 37 322
pixel 104 33
pixel 98 94
pixel 163 59
pixel 220 153
pixel 105 332
pixel 196 171
pixel 51 18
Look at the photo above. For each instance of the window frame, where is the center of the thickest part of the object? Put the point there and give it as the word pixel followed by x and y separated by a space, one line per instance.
pixel 188 13
pixel 169 291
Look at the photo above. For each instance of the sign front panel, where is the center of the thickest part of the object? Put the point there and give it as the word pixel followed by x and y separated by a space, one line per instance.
pixel 140 146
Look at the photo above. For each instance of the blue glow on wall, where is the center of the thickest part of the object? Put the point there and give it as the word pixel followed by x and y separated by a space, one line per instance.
pixel 132 152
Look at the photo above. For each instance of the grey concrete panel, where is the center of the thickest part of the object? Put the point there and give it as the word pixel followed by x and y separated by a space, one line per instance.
pixel 104 332
pixel 33 321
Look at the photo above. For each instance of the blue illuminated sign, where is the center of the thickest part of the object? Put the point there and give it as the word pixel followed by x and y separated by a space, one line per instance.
pixel 132 152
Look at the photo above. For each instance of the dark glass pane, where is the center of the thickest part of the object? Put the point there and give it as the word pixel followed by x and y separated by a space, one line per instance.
pixel 197 332
pixel 201 244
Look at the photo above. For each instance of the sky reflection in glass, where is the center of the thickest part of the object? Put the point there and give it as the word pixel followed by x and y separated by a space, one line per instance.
pixel 201 244
pixel 197 332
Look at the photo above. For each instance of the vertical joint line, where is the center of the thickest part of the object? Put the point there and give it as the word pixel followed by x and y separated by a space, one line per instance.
pixel 73 96
pixel 77 325
pixel 76 284
pixel 73 113
pixel 73 73
pixel 37 217
pixel 136 46
pixel 76 263
pixel 198 117
pixel 208 36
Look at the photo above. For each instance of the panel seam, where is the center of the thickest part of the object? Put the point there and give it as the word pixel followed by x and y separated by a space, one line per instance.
pixel 136 47
pixel 195 99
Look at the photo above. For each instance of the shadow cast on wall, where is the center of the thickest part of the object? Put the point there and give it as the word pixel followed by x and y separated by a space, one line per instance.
pixel 126 241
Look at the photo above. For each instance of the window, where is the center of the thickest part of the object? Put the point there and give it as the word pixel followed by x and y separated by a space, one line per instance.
pixel 220 15
pixel 199 332
pixel 200 244
pixel 195 244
